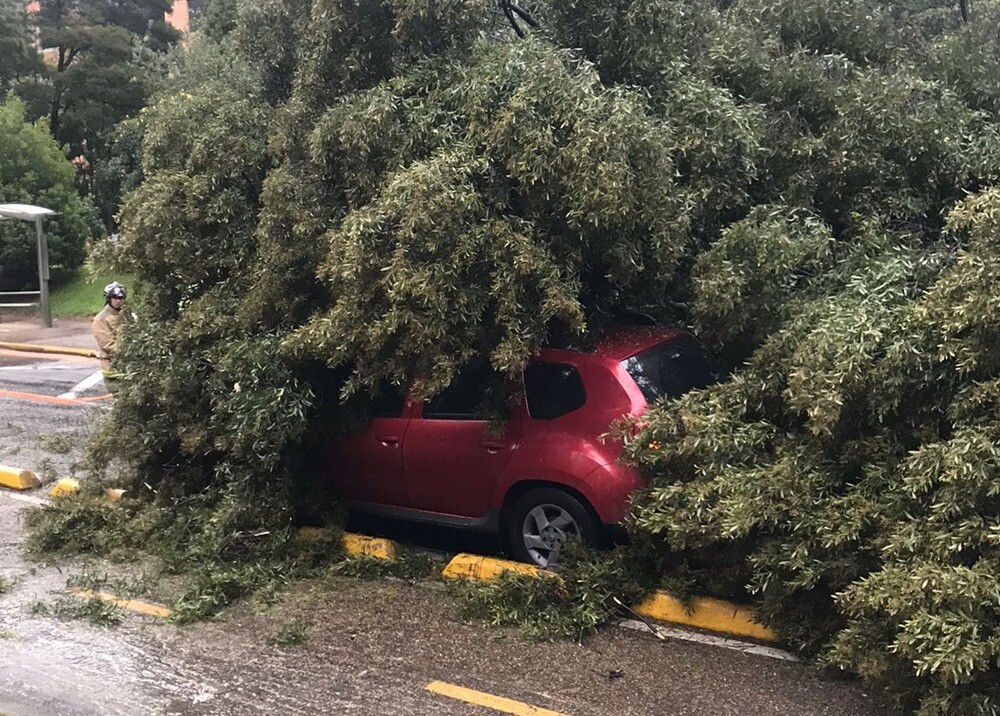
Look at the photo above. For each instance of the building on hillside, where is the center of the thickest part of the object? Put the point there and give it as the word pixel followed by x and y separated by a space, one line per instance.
pixel 179 16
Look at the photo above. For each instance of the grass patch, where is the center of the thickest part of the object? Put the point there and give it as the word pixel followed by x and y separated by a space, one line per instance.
pixel 6 583
pixel 94 611
pixel 292 634
pixel 83 294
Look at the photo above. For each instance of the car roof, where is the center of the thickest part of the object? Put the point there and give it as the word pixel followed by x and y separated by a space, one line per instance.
pixel 620 342
pixel 624 342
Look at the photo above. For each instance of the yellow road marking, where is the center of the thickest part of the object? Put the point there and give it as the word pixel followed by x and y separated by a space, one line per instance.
pixel 480 698
pixel 153 610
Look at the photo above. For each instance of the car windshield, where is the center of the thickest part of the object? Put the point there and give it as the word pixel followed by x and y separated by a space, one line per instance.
pixel 669 370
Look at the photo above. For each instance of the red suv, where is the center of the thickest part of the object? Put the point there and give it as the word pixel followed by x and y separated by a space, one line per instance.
pixel 547 473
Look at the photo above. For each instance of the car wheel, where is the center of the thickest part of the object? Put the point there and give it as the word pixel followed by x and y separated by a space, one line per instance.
pixel 541 519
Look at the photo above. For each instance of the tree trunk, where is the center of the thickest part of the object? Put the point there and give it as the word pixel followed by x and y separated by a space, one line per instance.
pixel 963 5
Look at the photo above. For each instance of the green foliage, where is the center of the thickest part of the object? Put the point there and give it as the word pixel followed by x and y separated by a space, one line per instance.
pixel 410 566
pixel 845 471
pixel 16 46
pixel 480 245
pixel 571 604
pixel 128 587
pixel 216 19
pixel 87 523
pixel 294 633
pixel 33 170
pixel 95 611
pixel 642 42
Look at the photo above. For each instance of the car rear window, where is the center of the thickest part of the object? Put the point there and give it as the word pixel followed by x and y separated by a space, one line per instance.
pixel 552 390
pixel 669 370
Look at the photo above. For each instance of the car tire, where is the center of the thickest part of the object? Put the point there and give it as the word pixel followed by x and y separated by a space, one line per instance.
pixel 539 520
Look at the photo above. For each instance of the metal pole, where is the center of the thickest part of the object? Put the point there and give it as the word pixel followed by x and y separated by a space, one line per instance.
pixel 43 274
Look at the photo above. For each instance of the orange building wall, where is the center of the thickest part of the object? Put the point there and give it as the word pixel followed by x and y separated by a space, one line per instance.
pixel 179 16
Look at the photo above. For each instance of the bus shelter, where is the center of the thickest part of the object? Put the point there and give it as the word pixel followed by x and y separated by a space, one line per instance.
pixel 36 215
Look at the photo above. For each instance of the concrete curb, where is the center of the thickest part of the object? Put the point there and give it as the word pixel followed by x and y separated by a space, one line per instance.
pixel 17 479
pixel 61 350
pixel 713 615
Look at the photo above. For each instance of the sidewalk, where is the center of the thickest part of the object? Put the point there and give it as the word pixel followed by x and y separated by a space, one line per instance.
pixel 65 332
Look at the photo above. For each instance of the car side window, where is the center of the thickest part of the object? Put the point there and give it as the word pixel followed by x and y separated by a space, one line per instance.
pixel 552 390
pixel 389 402
pixel 464 399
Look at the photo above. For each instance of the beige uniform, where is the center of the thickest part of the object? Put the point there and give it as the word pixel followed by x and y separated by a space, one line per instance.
pixel 107 326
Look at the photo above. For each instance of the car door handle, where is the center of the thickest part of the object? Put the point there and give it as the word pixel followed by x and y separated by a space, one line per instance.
pixel 492 447
pixel 388 440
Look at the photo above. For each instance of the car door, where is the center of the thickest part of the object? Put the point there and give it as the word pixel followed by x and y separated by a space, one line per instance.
pixel 368 466
pixel 451 459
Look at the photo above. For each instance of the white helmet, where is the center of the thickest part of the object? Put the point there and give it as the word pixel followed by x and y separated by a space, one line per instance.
pixel 113 290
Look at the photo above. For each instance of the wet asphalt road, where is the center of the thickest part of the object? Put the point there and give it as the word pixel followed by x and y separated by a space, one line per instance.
pixel 371 647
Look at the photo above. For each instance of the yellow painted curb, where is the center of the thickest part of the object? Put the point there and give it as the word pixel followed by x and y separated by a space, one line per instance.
pixel 702 612
pixel 17 479
pixel 473 566
pixel 65 486
pixel 313 534
pixel 362 546
pixel 354 544
pixel 705 613
pixel 32 348
pixel 133 605
pixel 114 494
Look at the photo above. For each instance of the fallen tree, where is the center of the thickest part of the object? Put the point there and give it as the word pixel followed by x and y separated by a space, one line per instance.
pixel 340 197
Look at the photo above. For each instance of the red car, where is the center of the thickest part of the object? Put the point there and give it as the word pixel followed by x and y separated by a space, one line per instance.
pixel 547 473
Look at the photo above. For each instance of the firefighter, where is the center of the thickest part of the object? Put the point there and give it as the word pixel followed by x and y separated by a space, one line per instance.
pixel 107 327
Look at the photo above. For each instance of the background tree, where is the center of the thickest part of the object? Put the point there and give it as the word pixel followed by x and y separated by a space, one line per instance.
pixel 34 170
pixel 17 45
pixel 102 70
